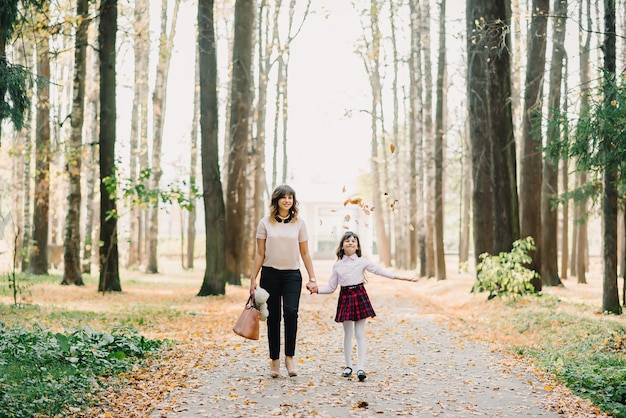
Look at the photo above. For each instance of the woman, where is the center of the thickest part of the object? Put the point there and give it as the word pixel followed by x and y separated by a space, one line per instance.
pixel 282 239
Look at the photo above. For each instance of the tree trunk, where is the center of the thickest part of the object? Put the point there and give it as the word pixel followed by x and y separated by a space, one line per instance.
pixel 429 163
pixel 109 255
pixel 158 108
pixel 466 198
pixel 214 281
pixel 550 174
pixel 371 60
pixel 398 179
pixel 38 262
pixel 610 294
pixel 565 235
pixel 71 245
pixel 193 166
pixel 138 126
pixel 531 159
pixel 237 185
pixel 491 128
pixel 415 133
pixel 23 176
pixel 440 130
pixel 92 163
pixel 579 259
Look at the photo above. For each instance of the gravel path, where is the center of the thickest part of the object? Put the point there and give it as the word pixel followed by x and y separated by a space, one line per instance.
pixel 416 368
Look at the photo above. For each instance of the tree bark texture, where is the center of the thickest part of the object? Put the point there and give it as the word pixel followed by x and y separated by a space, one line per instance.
pixel 429 161
pixel 240 112
pixel 531 158
pixel 139 124
pixel 159 100
pixel 496 219
pixel 193 165
pixel 109 255
pixel 440 134
pixel 610 294
pixel 214 281
pixel 550 174
pixel 38 263
pixel 71 244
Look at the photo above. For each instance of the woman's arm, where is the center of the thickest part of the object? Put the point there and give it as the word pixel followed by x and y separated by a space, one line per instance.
pixel 308 263
pixel 258 263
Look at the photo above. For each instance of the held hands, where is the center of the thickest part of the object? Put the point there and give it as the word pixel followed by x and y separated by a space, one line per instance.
pixel 311 287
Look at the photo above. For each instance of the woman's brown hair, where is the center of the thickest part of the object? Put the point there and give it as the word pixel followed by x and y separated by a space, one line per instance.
pixel 278 193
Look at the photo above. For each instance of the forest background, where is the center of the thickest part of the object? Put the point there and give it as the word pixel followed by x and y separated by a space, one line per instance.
pixel 375 101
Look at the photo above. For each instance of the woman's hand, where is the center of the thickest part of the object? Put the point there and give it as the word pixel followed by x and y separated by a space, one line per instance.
pixel 312 287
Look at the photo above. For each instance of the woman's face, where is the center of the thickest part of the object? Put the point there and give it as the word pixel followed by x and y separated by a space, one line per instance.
pixel 350 245
pixel 285 203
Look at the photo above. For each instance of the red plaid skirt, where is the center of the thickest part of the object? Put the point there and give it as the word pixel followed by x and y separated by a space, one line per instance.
pixel 353 304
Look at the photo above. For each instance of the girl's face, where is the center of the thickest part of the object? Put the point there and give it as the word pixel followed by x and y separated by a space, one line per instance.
pixel 350 245
pixel 285 203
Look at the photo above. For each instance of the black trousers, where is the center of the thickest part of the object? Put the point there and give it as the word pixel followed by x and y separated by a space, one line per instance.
pixel 284 287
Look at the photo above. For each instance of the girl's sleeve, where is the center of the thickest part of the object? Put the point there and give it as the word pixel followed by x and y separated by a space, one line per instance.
pixel 378 270
pixel 332 284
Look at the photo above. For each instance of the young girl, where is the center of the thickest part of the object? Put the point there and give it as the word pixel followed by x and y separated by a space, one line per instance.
pixel 353 306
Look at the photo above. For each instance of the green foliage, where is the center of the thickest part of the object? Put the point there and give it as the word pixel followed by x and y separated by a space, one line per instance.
pixel 588 355
pixel 598 140
pixel 15 82
pixel 137 193
pixel 44 373
pixel 504 274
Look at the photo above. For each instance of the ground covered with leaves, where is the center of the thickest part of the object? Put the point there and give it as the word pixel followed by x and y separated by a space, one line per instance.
pixel 434 349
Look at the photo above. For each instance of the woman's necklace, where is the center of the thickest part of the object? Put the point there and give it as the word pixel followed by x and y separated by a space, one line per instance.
pixel 280 219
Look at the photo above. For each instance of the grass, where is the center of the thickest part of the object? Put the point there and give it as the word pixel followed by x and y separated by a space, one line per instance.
pixel 55 361
pixel 586 353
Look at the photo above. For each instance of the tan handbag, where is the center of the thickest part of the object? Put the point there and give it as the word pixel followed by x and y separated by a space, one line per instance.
pixel 248 323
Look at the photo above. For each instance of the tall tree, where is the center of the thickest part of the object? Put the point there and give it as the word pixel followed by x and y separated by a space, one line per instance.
pixel 494 199
pixel 109 254
pixel 429 160
pixel 91 161
pixel 38 262
pixel 580 247
pixel 550 175
pixel 139 125
pixel 531 158
pixel 158 111
pixel 610 294
pixel 71 244
pixel 440 134
pixel 214 281
pixel 415 134
pixel 240 112
pixel 371 57
pixel 193 166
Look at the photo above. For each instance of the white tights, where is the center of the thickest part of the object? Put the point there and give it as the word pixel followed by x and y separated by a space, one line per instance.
pixel 358 329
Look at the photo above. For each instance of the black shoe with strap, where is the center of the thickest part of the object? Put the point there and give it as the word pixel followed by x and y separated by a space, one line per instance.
pixel 347 372
pixel 361 375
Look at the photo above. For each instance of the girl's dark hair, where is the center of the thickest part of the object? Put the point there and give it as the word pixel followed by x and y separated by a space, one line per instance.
pixel 278 193
pixel 348 234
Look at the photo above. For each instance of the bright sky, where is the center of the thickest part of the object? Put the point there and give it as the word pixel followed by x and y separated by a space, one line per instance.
pixel 328 134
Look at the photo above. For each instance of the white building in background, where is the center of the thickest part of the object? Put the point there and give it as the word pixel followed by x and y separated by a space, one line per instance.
pixel 328 217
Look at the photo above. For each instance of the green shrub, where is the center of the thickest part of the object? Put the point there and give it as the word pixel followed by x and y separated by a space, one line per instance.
pixel 45 373
pixel 504 274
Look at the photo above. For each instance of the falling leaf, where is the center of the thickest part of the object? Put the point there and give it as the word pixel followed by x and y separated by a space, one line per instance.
pixel 392 148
